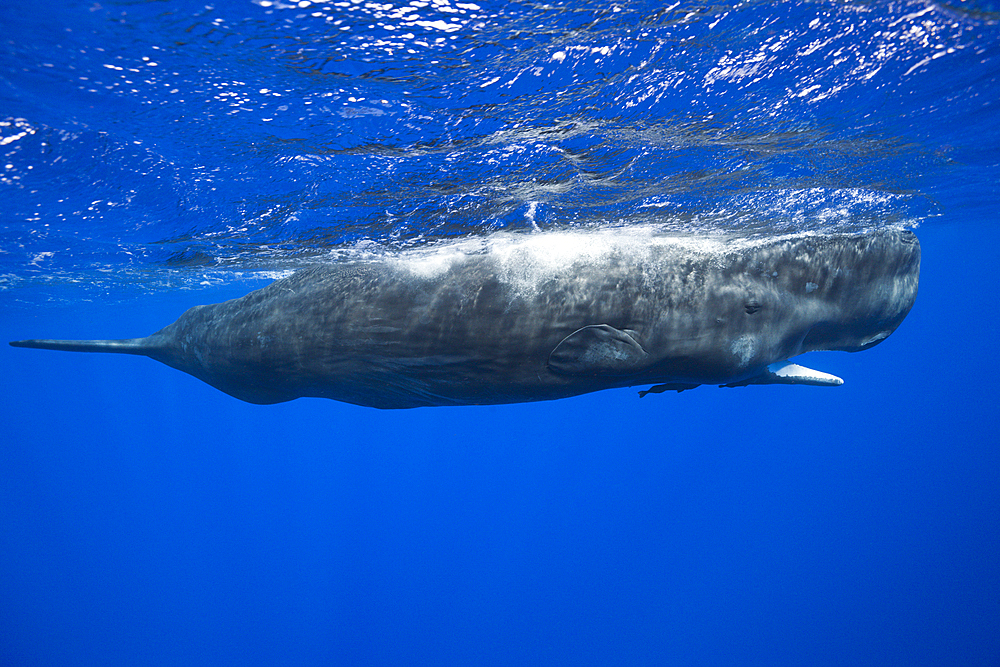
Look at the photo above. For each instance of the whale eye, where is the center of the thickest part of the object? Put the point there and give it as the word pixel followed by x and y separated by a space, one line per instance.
pixel 752 307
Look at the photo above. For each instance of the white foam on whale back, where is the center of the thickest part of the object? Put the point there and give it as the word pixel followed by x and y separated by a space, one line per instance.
pixel 544 253
pixel 526 260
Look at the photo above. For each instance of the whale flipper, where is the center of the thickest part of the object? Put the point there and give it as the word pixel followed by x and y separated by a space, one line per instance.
pixel 598 349
pixel 785 372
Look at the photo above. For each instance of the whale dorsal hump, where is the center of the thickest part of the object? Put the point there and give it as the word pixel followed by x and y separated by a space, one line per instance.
pixel 598 349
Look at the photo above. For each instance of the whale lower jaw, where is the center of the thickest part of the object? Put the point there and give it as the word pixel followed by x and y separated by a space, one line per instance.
pixel 780 372
pixel 785 372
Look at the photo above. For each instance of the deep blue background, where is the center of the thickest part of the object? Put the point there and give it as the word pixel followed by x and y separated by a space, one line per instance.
pixel 146 518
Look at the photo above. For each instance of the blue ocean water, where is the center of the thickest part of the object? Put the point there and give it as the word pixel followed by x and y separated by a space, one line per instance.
pixel 160 155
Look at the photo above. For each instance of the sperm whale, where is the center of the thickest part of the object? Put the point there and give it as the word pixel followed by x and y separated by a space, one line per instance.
pixel 513 318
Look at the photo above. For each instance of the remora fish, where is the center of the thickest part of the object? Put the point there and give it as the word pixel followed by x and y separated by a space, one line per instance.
pixel 544 316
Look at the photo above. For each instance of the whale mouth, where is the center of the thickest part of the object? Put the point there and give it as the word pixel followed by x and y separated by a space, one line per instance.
pixel 819 336
pixel 830 336
pixel 872 341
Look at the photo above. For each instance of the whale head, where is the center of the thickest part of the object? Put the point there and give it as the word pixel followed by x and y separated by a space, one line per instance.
pixel 858 291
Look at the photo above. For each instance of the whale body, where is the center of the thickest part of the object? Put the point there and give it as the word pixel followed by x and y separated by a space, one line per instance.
pixel 544 316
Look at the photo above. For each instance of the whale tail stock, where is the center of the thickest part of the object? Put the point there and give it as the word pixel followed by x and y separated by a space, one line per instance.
pixel 141 346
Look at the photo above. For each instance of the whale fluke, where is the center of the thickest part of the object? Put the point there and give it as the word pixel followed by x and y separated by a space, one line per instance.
pixel 141 346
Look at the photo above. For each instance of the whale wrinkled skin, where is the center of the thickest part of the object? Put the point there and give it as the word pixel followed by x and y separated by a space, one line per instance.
pixel 542 316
